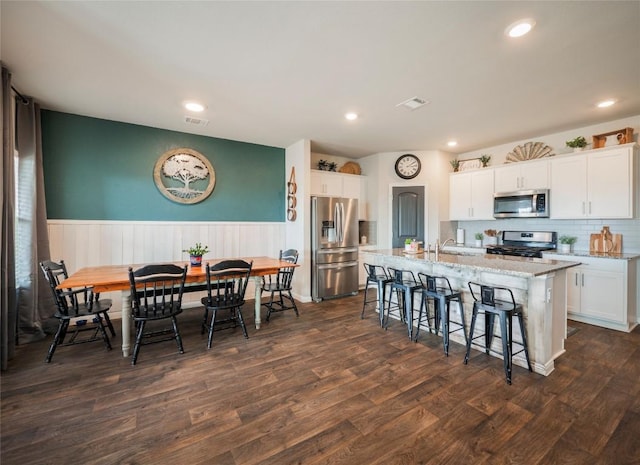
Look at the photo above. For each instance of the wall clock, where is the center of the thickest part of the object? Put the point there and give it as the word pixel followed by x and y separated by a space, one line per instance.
pixel 408 166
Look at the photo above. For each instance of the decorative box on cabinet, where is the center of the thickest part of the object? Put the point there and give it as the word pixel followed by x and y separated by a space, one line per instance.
pixel 602 291
pixel 332 184
pixel 471 195
pixel 522 176
pixel 594 184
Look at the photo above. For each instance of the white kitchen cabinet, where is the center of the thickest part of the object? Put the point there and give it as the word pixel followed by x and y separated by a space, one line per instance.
pixel 471 195
pixel 332 184
pixel 522 176
pixel 598 184
pixel 601 291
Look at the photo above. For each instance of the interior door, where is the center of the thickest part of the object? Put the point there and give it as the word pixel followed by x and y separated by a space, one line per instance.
pixel 407 214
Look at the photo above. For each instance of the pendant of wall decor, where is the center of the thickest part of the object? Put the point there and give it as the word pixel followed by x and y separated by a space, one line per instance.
pixel 184 176
pixel 529 151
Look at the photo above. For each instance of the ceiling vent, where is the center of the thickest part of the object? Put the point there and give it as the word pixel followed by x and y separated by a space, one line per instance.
pixel 413 103
pixel 195 121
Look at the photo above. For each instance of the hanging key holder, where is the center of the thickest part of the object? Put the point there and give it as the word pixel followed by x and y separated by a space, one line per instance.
pixel 291 196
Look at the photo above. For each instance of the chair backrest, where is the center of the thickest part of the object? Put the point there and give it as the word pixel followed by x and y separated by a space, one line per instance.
pixel 492 296
pixel 289 255
pixel 156 290
pixel 55 273
pixel 227 283
pixel 404 277
pixel 435 283
pixel 375 272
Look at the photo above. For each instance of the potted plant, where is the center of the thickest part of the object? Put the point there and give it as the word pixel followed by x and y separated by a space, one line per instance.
pixel 577 144
pixel 479 237
pixel 484 159
pixel 196 252
pixel 565 243
pixel 455 164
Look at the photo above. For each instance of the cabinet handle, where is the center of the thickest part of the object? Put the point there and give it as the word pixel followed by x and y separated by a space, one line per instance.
pixel 582 279
pixel 589 207
pixel 576 279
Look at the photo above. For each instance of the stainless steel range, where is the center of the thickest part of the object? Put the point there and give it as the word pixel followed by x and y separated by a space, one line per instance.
pixel 524 243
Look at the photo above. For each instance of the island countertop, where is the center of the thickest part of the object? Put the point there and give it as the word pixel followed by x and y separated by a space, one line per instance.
pixel 516 266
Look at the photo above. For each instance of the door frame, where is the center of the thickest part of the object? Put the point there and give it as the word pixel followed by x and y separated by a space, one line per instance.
pixel 390 210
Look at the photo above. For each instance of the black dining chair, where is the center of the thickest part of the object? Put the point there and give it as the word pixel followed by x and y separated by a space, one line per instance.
pixel 81 306
pixel 156 295
pixel 226 286
pixel 280 284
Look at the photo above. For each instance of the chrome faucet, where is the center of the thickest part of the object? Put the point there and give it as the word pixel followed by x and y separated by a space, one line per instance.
pixel 446 242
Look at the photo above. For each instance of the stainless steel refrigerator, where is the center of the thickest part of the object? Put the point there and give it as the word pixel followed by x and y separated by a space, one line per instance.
pixel 334 247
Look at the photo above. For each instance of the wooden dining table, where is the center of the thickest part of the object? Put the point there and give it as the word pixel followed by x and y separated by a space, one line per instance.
pixel 109 278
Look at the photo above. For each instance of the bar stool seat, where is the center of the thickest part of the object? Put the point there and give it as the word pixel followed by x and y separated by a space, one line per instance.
pixel 405 284
pixel 497 301
pixel 379 277
pixel 438 289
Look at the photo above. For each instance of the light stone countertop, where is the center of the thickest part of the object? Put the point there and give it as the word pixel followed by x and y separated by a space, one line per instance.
pixel 586 253
pixel 516 266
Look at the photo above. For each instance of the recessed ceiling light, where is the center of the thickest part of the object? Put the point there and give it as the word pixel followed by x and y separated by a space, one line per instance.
pixel 520 28
pixel 606 103
pixel 194 106
pixel 351 116
pixel 452 143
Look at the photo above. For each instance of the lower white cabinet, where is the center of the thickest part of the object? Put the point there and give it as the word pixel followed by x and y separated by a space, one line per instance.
pixel 602 291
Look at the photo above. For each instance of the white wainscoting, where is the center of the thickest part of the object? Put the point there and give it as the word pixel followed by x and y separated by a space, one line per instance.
pixel 91 243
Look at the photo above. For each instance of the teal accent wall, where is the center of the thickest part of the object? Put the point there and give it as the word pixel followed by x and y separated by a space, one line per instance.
pixel 97 169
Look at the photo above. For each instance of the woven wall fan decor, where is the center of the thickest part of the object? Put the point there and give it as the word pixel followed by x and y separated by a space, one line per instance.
pixel 529 151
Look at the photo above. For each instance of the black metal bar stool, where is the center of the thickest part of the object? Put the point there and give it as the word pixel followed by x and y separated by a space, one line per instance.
pixel 376 276
pixel 405 284
pixel 497 301
pixel 438 289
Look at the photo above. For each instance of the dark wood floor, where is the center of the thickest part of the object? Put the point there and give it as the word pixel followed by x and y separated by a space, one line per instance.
pixel 325 388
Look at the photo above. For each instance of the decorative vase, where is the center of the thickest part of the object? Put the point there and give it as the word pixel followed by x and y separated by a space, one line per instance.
pixel 478 242
pixel 564 248
pixel 578 149
pixel 196 260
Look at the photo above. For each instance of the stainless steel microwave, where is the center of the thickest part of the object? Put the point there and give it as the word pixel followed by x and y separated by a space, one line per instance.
pixel 521 204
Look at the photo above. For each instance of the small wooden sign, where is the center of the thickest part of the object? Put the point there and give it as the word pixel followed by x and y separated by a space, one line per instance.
pixel 624 136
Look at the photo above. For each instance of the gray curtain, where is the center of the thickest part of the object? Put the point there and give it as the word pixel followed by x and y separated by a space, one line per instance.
pixel 8 305
pixel 27 304
pixel 35 303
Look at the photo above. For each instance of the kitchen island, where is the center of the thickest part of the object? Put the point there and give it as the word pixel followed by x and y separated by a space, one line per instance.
pixel 538 284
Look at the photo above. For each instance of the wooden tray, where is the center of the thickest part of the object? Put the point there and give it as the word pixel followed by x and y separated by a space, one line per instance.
pixel 599 245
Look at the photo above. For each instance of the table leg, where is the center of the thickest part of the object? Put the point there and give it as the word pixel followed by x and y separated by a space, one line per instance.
pixel 126 322
pixel 258 284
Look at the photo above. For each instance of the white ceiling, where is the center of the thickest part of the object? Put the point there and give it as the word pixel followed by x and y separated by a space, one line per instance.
pixel 273 73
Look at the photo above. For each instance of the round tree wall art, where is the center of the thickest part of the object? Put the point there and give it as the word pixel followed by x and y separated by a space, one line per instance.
pixel 184 176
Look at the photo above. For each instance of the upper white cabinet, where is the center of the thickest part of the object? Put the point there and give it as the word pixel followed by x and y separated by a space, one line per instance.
pixel 522 176
pixel 330 184
pixel 471 195
pixel 598 184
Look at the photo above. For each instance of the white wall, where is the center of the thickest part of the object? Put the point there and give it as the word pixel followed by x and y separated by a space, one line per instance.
pixel 89 243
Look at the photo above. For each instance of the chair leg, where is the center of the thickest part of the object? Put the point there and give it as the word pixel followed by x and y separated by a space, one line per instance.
pixel 489 319
pixel 242 325
pixel 443 306
pixel 293 303
pixel 474 315
pixel 136 346
pixel 270 306
pixel 213 321
pixel 109 324
pixel 204 320
pixel 507 348
pixel 524 340
pixel 57 339
pixel 103 331
pixel 176 331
